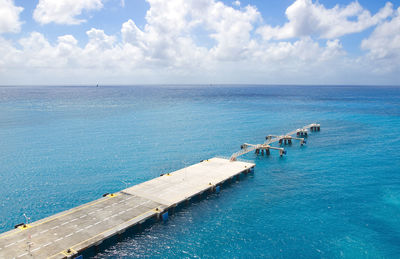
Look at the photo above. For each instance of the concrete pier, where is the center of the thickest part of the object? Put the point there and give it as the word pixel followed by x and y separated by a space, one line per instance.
pixel 69 233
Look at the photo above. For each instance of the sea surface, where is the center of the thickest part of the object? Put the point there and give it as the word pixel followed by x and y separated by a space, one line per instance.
pixel 336 197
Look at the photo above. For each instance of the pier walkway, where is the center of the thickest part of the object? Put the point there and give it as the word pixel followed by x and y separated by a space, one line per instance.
pixel 69 233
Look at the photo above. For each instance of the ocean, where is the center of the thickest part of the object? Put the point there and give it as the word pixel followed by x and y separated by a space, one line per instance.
pixel 336 197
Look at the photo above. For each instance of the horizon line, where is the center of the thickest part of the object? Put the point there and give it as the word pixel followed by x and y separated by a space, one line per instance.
pixel 190 84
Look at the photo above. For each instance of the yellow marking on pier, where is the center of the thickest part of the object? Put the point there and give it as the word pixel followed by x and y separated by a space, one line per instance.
pixel 25 226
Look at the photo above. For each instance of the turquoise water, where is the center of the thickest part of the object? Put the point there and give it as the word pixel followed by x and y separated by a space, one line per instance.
pixel 336 197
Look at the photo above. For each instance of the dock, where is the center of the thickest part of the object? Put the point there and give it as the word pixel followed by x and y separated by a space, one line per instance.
pixel 285 139
pixel 71 233
pixel 68 234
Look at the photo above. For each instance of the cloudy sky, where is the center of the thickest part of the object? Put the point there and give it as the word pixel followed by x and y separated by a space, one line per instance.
pixel 199 42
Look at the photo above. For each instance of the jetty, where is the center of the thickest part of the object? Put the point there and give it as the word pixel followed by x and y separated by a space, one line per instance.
pixel 285 139
pixel 71 233
pixel 68 234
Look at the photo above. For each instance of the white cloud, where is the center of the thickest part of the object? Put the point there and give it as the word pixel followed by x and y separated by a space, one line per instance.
pixel 38 52
pixel 64 11
pixel 232 30
pixel 166 39
pixel 303 54
pixel 103 58
pixel 9 56
pixel 383 45
pixel 171 23
pixel 313 19
pixel 166 50
pixel 9 16
pixel 98 40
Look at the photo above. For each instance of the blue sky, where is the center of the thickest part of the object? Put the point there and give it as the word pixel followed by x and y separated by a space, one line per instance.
pixel 199 41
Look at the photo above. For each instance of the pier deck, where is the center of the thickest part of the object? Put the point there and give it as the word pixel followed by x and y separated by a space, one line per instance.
pixel 69 233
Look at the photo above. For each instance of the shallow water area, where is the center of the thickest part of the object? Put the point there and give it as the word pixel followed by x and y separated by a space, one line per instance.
pixel 336 197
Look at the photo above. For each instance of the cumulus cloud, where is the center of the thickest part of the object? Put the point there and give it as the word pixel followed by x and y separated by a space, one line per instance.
pixel 170 24
pixel 9 56
pixel 38 53
pixel 313 19
pixel 9 16
pixel 166 39
pixel 232 31
pixel 64 11
pixel 383 45
pixel 302 54
pixel 166 49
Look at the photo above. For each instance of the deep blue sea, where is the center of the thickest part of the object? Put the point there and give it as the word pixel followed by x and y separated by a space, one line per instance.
pixel 336 197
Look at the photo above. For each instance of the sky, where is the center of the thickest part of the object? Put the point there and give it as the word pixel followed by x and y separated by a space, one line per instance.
pixel 85 42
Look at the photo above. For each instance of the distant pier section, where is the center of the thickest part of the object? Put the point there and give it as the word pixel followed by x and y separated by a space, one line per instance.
pixel 285 139
pixel 68 234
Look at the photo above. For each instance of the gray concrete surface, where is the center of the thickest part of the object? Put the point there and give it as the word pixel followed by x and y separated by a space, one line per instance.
pixel 68 233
